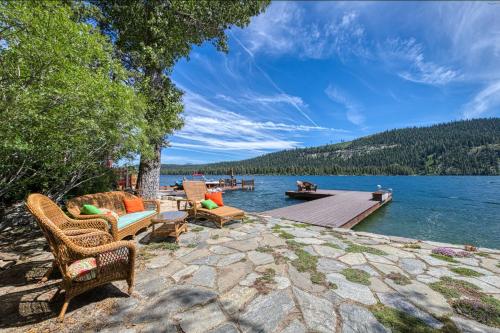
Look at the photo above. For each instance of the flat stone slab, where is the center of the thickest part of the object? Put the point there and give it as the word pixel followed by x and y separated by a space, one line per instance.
pixel 205 276
pixel 398 302
pixel 326 265
pixel 412 266
pixel 319 314
pixel 235 299
pixel 470 326
pixel 243 245
pixel 230 275
pixel 202 319
pixel 327 251
pixel 350 290
pixel 266 312
pixel 295 327
pixel 260 258
pixel 353 259
pixel 423 296
pixel 357 319
pixel 230 259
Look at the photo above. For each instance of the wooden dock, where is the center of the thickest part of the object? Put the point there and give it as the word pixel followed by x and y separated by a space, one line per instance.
pixel 329 208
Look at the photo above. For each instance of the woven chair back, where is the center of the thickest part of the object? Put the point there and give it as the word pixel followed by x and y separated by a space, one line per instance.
pixel 195 190
pixel 110 200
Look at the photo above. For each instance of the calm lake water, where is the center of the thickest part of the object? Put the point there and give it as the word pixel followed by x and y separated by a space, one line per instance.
pixel 448 209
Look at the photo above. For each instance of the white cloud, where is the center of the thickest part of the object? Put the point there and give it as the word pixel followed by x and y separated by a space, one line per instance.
pixel 285 29
pixel 353 110
pixel 209 126
pixel 409 54
pixel 486 100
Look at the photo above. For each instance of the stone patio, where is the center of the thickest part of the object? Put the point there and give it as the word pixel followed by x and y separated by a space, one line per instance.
pixel 263 275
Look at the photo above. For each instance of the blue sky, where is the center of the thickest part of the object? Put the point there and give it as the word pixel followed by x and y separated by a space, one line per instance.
pixel 310 73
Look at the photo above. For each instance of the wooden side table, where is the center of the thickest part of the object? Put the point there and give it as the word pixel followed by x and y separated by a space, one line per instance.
pixel 173 224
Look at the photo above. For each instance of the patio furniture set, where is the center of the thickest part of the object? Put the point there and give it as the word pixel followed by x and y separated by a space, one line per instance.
pixel 89 249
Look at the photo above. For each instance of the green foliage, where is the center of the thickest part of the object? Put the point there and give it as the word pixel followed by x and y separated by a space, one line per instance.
pixel 356 275
pixel 443 257
pixel 401 322
pixel 332 245
pixel 356 248
pixel 412 246
pixel 469 147
pixel 465 271
pixel 286 235
pixel 452 288
pixel 486 310
pixel 197 229
pixel 64 104
pixel 163 246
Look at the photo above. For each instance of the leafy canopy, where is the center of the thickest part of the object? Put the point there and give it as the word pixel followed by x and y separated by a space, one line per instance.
pixel 64 102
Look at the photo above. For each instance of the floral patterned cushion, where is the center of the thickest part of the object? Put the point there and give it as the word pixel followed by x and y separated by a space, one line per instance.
pixel 107 211
pixel 83 270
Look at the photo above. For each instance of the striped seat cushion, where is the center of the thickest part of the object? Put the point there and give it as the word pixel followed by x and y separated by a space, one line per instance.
pixel 83 269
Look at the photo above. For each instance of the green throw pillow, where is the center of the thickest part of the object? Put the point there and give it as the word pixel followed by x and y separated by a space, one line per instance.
pixel 209 204
pixel 90 210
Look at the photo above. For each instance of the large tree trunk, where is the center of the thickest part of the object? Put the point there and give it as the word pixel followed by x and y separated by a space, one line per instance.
pixel 148 180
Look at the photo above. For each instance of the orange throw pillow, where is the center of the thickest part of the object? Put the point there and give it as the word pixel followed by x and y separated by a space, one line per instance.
pixel 215 197
pixel 133 205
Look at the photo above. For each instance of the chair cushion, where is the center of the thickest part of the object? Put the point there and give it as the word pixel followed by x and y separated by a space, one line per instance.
pixel 127 219
pixel 133 205
pixel 83 269
pixel 109 212
pixel 215 197
pixel 90 210
pixel 208 204
pixel 225 211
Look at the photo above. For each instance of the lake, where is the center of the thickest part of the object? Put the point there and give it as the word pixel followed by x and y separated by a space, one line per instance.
pixel 462 209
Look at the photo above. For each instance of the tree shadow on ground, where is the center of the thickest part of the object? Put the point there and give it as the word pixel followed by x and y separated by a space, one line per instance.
pixel 26 301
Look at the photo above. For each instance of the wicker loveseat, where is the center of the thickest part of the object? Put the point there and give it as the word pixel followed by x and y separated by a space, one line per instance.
pixel 86 259
pixel 127 224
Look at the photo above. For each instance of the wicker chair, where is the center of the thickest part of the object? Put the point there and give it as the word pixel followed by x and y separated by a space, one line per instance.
pixel 86 258
pixel 114 202
pixel 195 193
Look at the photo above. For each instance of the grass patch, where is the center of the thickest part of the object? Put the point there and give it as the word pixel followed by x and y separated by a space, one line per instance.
pixel 192 245
pixel 482 254
pixel 401 322
pixel 356 275
pixel 277 227
pixel 262 282
pixel 334 246
pixel 485 310
pixel 498 265
pixel 247 220
pixel 163 246
pixel 452 288
pixel 332 286
pixel 214 237
pixel 145 255
pixel 264 249
pixel 465 271
pixel 286 235
pixel 398 278
pixel 412 246
pixel 318 277
pixel 294 245
pixel 444 258
pixel 197 229
pixel 356 248
pixel 300 225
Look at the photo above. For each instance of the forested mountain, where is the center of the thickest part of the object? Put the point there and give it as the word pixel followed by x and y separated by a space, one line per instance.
pixel 468 147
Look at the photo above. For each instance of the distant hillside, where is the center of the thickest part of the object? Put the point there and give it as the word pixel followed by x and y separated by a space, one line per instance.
pixel 469 147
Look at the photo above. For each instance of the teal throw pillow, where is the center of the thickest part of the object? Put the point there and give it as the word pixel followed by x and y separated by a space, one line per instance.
pixel 90 210
pixel 209 204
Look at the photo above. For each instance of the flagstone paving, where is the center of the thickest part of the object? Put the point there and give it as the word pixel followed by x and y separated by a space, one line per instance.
pixel 264 275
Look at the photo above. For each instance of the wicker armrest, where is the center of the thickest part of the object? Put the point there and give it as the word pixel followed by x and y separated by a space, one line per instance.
pixel 92 239
pixel 97 250
pixel 95 222
pixel 79 231
pixel 152 204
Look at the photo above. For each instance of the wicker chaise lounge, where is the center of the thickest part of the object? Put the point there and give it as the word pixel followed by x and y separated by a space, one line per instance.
pixel 195 193
pixel 127 224
pixel 87 259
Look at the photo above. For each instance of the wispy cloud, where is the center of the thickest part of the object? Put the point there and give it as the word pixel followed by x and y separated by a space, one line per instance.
pixel 486 100
pixel 353 110
pixel 409 55
pixel 209 126
pixel 285 29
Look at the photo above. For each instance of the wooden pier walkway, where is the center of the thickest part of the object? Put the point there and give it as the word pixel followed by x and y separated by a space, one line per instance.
pixel 329 208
